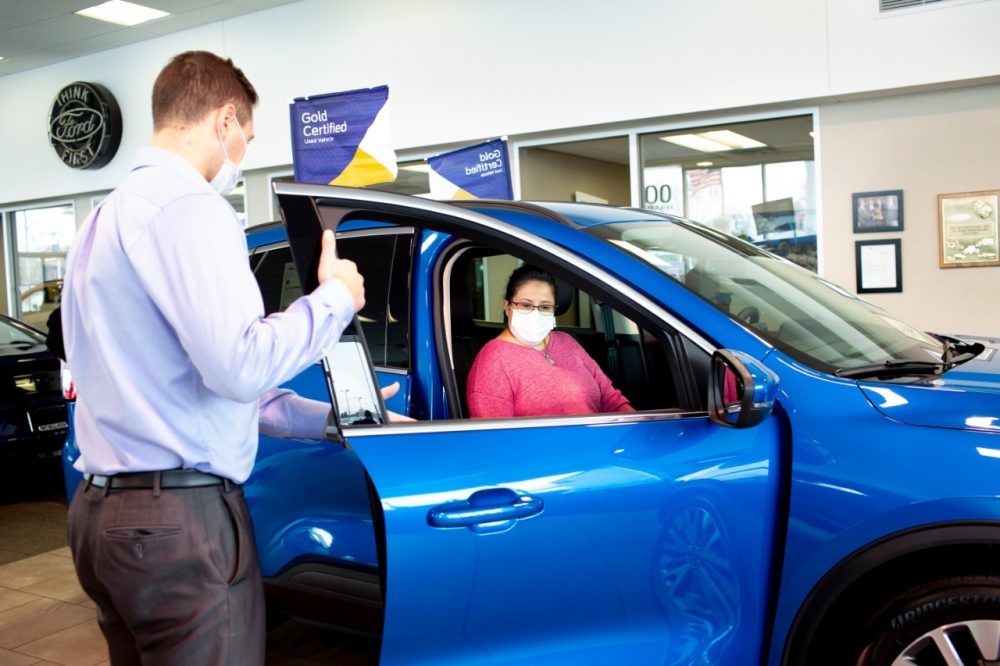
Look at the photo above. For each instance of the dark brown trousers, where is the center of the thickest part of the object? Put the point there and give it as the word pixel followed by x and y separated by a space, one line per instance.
pixel 175 576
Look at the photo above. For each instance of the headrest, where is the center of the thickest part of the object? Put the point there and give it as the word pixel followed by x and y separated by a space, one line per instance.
pixel 564 296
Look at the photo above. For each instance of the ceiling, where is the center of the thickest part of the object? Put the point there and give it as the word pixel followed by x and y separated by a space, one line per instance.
pixel 34 33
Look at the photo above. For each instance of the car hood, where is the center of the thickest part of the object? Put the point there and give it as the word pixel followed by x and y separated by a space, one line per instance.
pixel 967 396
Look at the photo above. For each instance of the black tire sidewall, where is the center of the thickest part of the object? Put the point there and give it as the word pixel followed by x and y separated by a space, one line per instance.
pixel 920 610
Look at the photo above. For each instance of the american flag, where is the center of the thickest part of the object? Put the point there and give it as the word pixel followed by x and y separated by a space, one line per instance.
pixel 699 179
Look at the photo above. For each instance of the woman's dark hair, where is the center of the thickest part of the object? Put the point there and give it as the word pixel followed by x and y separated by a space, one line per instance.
pixel 529 273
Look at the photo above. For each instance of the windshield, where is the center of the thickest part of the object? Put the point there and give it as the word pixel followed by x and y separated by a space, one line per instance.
pixel 812 320
pixel 11 334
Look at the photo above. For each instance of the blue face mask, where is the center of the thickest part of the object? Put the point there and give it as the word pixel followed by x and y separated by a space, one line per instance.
pixel 229 174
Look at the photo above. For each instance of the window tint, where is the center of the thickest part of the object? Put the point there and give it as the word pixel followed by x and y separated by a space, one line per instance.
pixel 384 261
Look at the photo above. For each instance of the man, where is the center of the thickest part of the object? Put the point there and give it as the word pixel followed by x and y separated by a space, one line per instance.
pixel 174 364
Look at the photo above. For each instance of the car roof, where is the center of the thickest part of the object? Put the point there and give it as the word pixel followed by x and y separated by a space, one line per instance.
pixel 576 215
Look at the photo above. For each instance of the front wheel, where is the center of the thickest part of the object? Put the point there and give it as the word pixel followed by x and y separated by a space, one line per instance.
pixel 952 621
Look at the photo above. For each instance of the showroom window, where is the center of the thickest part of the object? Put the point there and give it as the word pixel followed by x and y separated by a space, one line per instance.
pixel 755 180
pixel 587 170
pixel 40 239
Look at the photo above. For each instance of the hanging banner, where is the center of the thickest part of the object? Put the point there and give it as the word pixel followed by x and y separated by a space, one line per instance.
pixel 474 172
pixel 343 138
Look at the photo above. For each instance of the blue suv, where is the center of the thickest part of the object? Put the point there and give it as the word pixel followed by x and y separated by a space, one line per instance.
pixel 843 509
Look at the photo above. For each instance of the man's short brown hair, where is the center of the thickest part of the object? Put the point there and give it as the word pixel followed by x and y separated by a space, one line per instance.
pixel 195 82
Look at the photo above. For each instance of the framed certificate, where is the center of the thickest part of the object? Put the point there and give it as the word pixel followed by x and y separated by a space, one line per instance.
pixel 968 229
pixel 879 266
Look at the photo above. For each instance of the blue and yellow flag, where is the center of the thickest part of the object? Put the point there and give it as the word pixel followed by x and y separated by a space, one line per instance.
pixel 474 172
pixel 343 138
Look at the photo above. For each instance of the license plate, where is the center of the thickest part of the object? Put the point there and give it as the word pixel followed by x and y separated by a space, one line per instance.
pixel 53 426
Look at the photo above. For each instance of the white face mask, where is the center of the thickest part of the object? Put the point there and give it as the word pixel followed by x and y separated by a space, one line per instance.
pixel 531 328
pixel 229 174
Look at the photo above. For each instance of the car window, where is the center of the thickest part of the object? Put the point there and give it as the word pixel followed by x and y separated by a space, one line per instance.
pixel 637 359
pixel 385 318
pixel 13 335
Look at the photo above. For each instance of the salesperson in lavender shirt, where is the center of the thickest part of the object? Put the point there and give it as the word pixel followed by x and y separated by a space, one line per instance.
pixel 531 370
pixel 175 363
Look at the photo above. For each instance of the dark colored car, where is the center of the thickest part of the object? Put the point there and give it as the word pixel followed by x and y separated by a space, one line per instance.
pixel 33 419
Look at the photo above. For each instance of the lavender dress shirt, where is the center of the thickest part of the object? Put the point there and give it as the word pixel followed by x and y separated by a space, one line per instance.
pixel 172 356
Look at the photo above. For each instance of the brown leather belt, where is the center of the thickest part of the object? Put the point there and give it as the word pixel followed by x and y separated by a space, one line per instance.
pixel 169 478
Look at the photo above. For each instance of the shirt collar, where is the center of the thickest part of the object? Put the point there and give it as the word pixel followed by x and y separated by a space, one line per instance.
pixel 161 157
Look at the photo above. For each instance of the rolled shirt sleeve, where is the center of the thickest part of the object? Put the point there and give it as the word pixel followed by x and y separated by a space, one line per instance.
pixel 283 413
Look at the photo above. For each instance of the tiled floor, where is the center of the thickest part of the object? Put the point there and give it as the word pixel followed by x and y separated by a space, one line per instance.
pixel 46 619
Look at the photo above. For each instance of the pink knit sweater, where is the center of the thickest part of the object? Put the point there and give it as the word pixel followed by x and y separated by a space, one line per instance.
pixel 508 379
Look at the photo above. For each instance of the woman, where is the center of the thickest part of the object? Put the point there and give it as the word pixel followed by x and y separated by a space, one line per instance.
pixel 531 370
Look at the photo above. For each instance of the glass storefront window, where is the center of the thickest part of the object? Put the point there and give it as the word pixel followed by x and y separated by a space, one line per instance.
pixel 42 237
pixel 754 180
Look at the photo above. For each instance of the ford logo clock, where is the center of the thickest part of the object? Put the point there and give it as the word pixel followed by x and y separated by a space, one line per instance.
pixel 85 125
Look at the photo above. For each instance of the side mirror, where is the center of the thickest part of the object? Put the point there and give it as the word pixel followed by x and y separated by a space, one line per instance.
pixel 741 390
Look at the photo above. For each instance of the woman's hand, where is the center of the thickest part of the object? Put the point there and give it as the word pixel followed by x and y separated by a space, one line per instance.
pixel 387 392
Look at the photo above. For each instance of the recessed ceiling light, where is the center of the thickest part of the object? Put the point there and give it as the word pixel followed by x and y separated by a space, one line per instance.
pixel 122 13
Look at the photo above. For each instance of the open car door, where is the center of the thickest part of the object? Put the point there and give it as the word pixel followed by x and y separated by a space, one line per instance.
pixel 632 538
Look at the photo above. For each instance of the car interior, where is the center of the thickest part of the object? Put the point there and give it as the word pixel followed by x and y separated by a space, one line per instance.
pixel 638 361
pixel 655 368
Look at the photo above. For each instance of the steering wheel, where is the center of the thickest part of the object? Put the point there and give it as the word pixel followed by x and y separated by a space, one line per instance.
pixel 750 314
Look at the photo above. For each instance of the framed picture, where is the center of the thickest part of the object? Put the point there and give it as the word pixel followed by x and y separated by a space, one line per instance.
pixel 878 211
pixel 968 229
pixel 879 266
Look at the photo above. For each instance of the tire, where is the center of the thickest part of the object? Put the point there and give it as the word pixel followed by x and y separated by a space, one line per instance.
pixel 958 617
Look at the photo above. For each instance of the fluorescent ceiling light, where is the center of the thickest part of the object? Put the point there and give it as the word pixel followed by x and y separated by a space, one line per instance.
pixel 715 141
pixel 122 13
pixel 422 168
pixel 2 58
pixel 705 164
pixel 733 139
pixel 695 142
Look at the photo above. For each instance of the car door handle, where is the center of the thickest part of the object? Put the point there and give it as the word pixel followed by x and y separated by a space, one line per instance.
pixel 489 510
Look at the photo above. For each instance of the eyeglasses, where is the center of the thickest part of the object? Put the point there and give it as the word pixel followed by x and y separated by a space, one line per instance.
pixel 526 308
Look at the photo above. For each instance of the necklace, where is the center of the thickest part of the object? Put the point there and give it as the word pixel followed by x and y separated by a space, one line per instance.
pixel 545 352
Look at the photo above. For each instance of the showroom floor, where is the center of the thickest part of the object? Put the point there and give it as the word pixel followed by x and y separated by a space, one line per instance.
pixel 46 619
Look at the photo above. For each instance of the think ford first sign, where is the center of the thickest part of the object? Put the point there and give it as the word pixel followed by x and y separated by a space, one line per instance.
pixel 85 125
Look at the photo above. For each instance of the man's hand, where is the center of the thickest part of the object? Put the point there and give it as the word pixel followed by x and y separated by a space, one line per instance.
pixel 341 269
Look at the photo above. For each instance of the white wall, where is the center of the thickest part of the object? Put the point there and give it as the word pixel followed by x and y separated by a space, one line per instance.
pixel 462 70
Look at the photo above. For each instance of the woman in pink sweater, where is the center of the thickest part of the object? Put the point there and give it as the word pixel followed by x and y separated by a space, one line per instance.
pixel 531 370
